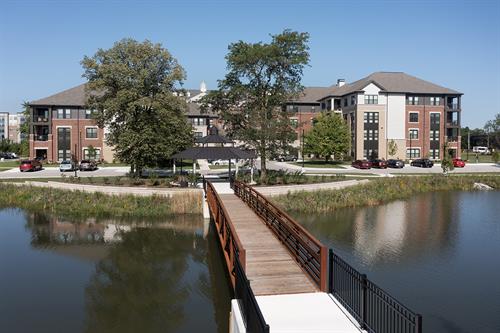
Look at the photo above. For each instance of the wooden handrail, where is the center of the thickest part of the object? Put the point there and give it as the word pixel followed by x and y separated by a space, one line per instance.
pixel 228 238
pixel 306 249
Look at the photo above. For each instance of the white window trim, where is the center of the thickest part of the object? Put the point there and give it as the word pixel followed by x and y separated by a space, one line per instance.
pixel 91 138
pixel 418 133
pixel 413 122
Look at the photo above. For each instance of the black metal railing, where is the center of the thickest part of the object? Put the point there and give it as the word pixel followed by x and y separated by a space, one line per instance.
pixel 250 311
pixel 452 106
pixel 374 309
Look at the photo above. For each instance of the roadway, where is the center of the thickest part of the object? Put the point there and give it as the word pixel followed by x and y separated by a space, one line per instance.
pixel 53 172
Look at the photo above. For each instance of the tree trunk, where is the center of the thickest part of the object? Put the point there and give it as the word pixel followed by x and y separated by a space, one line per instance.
pixel 263 170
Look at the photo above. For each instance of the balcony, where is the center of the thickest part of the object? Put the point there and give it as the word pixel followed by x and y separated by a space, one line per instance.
pixel 452 107
pixel 41 137
pixel 452 123
pixel 452 138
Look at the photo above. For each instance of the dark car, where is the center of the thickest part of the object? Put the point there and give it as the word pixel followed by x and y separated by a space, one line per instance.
pixel 287 158
pixel 362 164
pixel 422 163
pixel 30 165
pixel 378 163
pixel 398 164
pixel 8 156
pixel 88 165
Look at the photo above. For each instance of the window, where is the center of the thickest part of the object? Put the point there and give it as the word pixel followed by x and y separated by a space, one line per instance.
pixel 371 99
pixel 91 133
pixel 353 99
pixel 198 135
pixel 434 154
pixel 412 100
pixel 413 153
pixel 63 113
pixel 329 104
pixel 198 121
pixel 96 154
pixel 88 114
pixel 435 100
pixel 435 118
pixel 345 101
pixel 434 135
pixel 413 117
pixel 365 135
pixel 294 123
pixel 371 117
pixel 413 134
pixel 323 105
pixel 370 153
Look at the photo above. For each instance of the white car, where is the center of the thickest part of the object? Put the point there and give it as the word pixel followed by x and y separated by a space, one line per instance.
pixel 221 162
pixel 67 166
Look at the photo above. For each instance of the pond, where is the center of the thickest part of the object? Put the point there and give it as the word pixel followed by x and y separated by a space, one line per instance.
pixel 93 276
pixel 437 253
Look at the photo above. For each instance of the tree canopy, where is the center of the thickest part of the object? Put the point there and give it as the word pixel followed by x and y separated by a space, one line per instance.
pixel 134 91
pixel 261 78
pixel 329 136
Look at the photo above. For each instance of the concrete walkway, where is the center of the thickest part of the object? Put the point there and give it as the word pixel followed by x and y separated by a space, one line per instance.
pixel 284 189
pixel 113 190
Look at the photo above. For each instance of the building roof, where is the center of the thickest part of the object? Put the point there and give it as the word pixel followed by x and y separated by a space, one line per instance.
pixel 391 82
pixel 312 94
pixel 214 153
pixel 71 97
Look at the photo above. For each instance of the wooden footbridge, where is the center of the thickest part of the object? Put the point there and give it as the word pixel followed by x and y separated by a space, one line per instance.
pixel 284 279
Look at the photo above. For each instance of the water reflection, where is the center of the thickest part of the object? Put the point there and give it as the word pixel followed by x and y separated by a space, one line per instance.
pixel 166 277
pixel 383 233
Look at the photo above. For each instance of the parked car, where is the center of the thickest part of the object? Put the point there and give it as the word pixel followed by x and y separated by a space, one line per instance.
pixel 287 158
pixel 480 150
pixel 30 165
pixel 362 164
pixel 378 163
pixel 8 156
pixel 221 162
pixel 393 163
pixel 458 163
pixel 422 163
pixel 88 165
pixel 67 166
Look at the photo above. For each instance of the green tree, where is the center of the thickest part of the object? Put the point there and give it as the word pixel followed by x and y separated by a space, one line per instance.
pixel 134 89
pixel 329 136
pixel 392 148
pixel 446 163
pixel 261 78
pixel 492 129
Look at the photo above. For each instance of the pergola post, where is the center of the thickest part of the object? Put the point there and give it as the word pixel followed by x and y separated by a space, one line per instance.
pixel 174 166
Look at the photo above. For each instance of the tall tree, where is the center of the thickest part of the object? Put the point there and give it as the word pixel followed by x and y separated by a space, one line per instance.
pixel 134 89
pixel 261 78
pixel 329 136
pixel 392 148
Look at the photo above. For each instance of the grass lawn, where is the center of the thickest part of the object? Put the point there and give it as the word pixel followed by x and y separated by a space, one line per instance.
pixel 9 164
pixel 472 157
pixel 320 164
pixel 220 167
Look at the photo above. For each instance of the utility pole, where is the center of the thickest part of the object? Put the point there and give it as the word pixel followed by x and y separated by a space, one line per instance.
pixel 468 143
pixel 302 137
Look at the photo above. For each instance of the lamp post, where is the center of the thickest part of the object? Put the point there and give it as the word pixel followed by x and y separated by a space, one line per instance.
pixel 302 138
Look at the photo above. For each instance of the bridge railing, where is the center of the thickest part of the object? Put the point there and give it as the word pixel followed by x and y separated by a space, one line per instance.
pixel 374 309
pixel 309 253
pixel 235 257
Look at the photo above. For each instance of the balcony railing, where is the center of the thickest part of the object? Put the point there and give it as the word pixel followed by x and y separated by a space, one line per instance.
pixel 452 123
pixel 452 139
pixel 40 118
pixel 452 106
pixel 41 137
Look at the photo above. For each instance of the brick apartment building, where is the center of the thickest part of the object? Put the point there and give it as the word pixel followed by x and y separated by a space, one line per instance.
pixel 419 116
pixel 62 128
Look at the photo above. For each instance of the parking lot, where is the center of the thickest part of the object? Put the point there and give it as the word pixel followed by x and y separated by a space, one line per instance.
pixel 53 172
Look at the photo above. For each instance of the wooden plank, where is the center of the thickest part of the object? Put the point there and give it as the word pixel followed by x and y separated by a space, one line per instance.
pixel 269 266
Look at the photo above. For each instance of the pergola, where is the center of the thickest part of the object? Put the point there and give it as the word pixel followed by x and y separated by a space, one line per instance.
pixel 219 152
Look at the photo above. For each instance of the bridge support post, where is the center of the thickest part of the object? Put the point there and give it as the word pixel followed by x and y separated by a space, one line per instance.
pixel 364 304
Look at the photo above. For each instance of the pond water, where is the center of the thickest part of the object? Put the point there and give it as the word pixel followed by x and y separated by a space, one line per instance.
pixel 437 253
pixel 105 276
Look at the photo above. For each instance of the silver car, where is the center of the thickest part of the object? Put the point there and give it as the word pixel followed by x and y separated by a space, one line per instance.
pixel 67 166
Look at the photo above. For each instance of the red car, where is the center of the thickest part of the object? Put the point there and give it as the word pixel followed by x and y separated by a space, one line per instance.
pixel 378 163
pixel 458 163
pixel 30 165
pixel 362 164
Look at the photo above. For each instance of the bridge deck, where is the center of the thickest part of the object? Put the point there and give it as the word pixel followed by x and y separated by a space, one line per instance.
pixel 269 266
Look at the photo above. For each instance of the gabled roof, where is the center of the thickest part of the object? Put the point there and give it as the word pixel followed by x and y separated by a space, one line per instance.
pixel 391 82
pixel 311 95
pixel 71 97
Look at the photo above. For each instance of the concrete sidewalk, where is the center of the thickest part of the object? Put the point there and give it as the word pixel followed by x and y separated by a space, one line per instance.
pixel 284 189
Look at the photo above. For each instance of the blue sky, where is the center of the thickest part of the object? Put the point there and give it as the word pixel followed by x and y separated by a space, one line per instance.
pixel 452 43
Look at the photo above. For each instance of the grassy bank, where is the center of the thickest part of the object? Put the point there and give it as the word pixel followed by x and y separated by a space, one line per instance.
pixel 377 192
pixel 79 204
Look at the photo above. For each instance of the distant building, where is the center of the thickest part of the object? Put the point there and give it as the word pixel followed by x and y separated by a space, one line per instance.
pixel 15 123
pixel 61 128
pixel 4 125
pixel 419 116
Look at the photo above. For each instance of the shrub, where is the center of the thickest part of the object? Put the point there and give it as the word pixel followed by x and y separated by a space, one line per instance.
pixel 117 180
